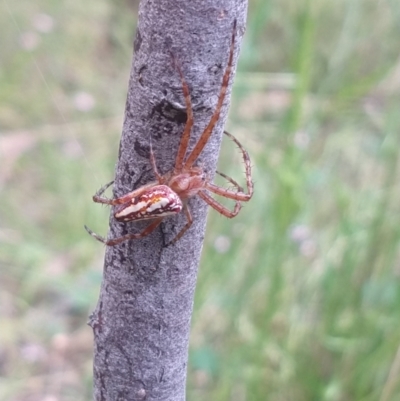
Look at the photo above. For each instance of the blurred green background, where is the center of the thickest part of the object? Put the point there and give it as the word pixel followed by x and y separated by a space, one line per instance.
pixel 298 298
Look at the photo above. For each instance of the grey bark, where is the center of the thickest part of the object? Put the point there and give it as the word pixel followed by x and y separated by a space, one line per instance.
pixel 142 319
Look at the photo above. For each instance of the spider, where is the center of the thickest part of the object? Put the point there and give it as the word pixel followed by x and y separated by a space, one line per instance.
pixel 170 193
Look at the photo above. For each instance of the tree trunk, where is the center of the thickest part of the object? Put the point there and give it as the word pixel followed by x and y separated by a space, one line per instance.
pixel 142 320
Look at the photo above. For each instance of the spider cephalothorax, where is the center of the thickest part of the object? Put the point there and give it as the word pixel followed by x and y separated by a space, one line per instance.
pixel 169 194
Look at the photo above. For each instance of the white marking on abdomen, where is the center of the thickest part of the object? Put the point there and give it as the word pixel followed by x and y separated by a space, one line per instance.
pixel 158 205
pixel 131 209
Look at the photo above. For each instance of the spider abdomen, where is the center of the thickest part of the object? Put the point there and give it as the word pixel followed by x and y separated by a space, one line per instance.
pixel 154 202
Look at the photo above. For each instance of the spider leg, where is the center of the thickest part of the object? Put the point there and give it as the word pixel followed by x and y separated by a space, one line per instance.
pixel 231 180
pixel 115 241
pixel 159 177
pixel 101 199
pixel 123 199
pixel 183 145
pixel 205 136
pixel 238 195
pixel 219 207
pixel 228 193
pixel 186 226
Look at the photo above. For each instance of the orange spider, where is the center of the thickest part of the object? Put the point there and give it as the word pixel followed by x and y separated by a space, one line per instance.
pixel 169 194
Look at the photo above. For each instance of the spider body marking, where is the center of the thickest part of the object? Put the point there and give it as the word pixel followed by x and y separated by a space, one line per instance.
pixel 169 194
pixel 155 201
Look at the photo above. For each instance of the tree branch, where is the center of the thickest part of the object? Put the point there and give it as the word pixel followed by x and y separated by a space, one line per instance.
pixel 142 320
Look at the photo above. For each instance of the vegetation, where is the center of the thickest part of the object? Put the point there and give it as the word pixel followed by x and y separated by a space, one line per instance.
pixel 297 298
